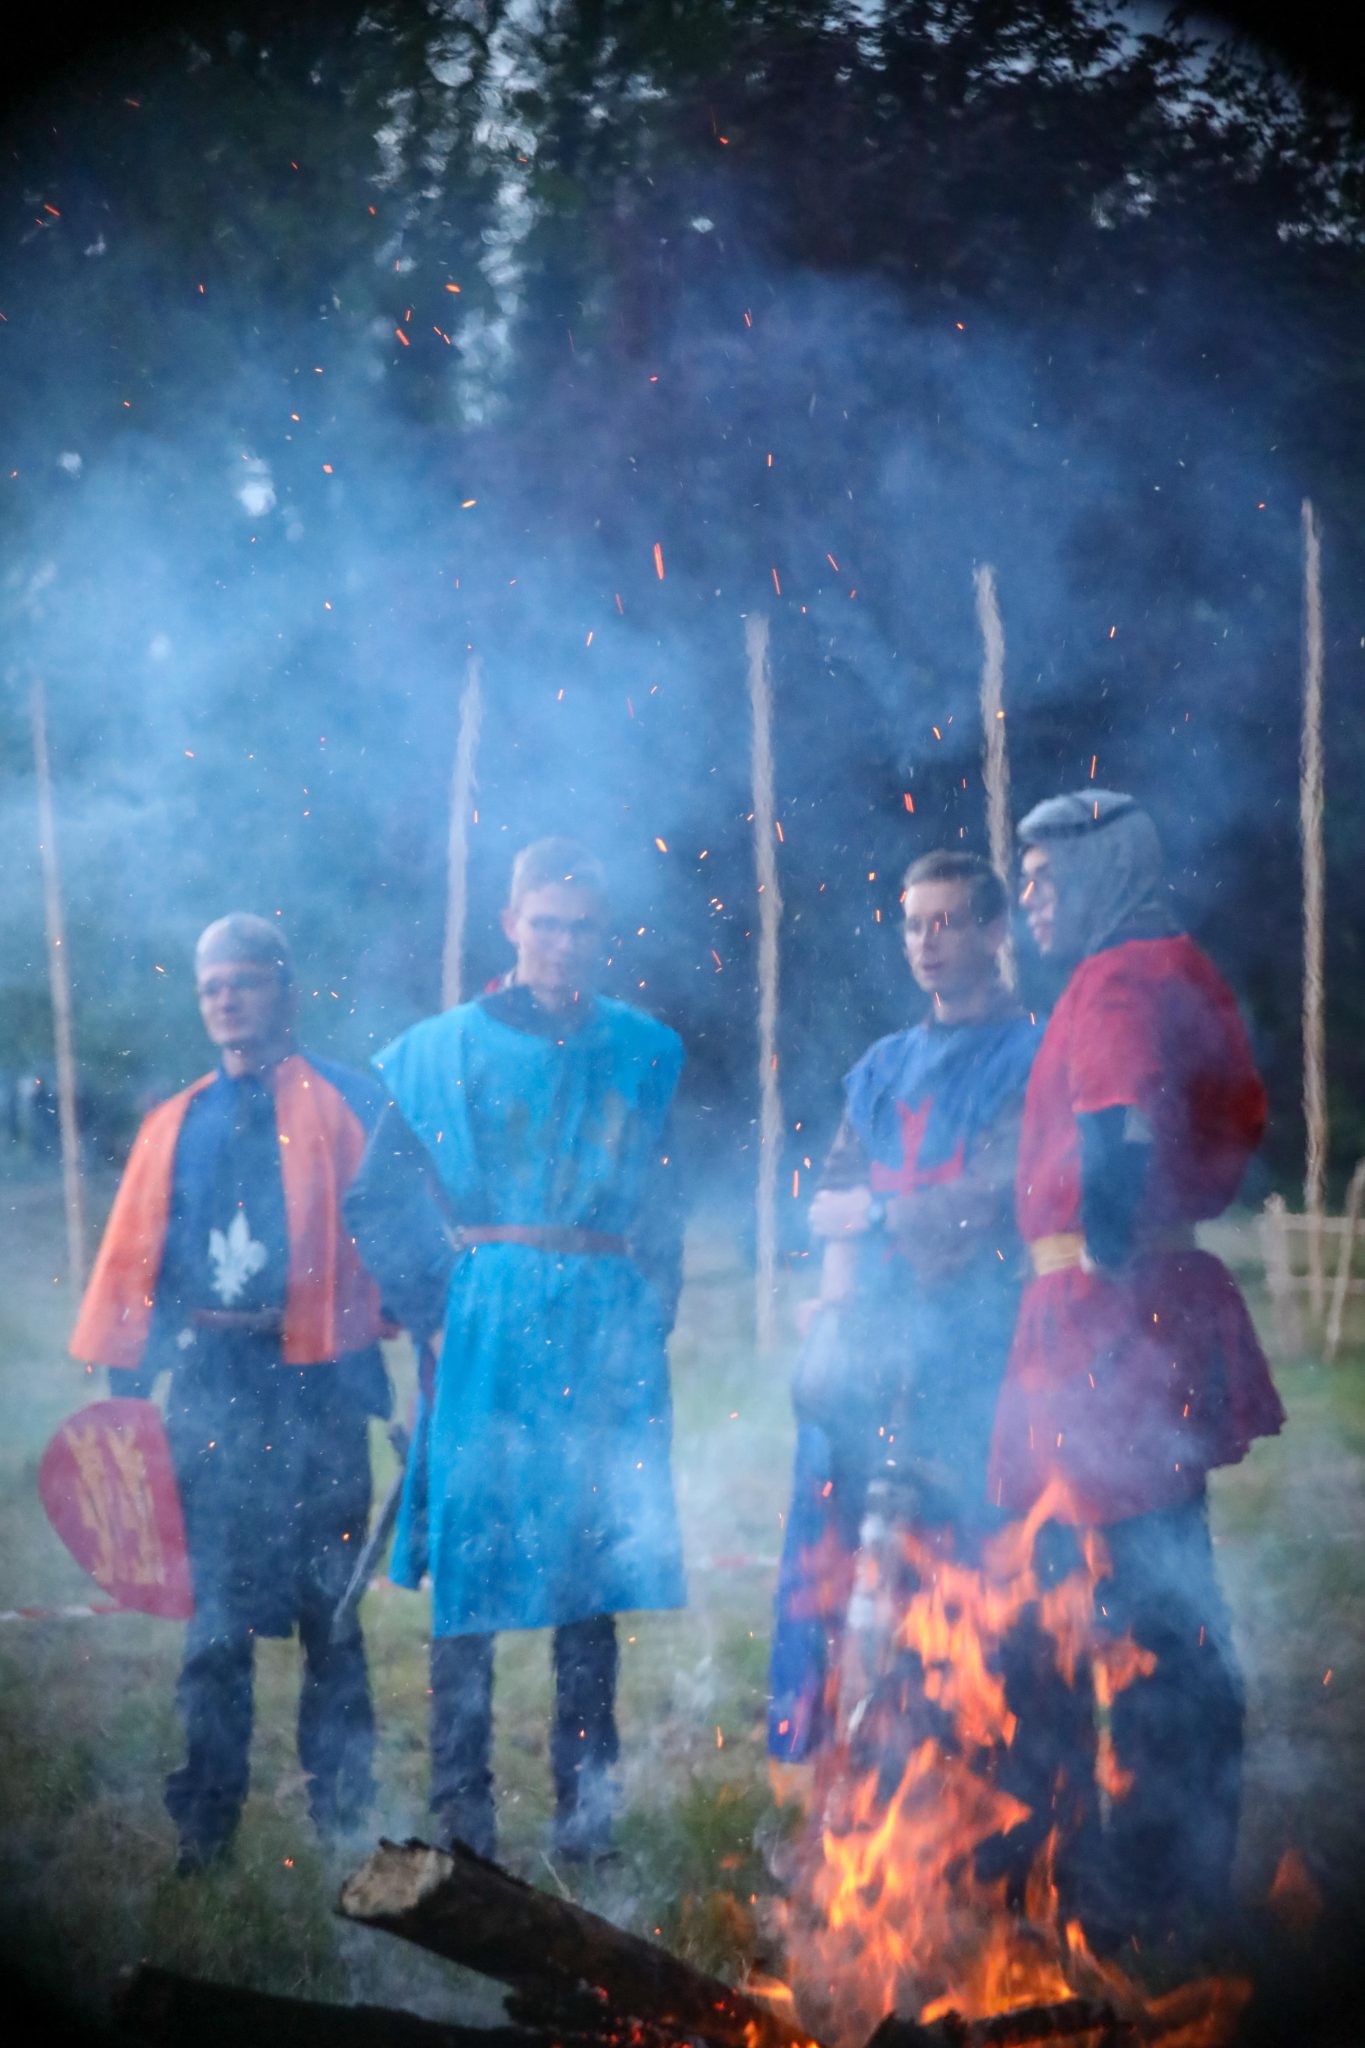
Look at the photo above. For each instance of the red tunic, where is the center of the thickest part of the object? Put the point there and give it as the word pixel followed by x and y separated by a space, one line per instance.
pixel 1129 1386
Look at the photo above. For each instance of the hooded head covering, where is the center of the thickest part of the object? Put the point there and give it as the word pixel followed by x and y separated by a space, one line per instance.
pixel 1106 863
pixel 243 936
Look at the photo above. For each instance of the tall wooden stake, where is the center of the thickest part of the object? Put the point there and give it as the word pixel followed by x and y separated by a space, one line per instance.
pixel 995 761
pixel 462 789
pixel 60 982
pixel 1310 829
pixel 769 914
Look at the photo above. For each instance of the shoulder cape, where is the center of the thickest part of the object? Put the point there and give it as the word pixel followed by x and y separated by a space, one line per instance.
pixel 331 1304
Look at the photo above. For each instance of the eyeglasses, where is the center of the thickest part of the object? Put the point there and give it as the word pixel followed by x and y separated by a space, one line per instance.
pixel 580 929
pixel 233 984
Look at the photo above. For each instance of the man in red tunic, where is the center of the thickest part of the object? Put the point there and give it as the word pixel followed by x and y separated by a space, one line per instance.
pixel 1135 1369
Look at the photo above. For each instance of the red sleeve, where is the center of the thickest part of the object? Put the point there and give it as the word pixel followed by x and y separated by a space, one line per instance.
pixel 1116 1037
pixel 1227 1100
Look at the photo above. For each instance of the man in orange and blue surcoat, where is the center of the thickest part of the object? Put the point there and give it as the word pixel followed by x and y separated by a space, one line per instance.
pixel 226 1262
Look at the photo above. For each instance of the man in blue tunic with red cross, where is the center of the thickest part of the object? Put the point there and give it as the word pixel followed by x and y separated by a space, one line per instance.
pixel 518 1203
pixel 920 1269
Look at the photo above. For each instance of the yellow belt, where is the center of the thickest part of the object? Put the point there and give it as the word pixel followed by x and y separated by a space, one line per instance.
pixel 1065 1249
pixel 1058 1253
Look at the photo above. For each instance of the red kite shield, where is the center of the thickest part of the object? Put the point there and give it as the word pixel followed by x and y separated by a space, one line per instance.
pixel 108 1486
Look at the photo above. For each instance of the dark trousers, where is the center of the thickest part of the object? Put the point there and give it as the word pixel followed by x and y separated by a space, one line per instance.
pixel 1151 1858
pixel 1166 1847
pixel 214 1698
pixel 583 1739
pixel 1151 1853
pixel 274 1472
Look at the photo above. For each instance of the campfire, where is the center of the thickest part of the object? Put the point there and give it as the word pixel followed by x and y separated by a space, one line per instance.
pixel 894 1932
pixel 896 1904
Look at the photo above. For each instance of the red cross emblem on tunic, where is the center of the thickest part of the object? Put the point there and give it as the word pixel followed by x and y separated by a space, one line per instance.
pixel 909 1175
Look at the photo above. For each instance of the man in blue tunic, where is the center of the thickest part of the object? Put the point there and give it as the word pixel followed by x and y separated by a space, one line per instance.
pixel 517 1203
pixel 919 1280
pixel 225 1262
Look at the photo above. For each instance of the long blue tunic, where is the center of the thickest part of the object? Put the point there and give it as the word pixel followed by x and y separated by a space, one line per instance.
pixel 539 1491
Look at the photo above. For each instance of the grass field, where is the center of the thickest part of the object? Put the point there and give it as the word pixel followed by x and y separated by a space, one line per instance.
pixel 87 1731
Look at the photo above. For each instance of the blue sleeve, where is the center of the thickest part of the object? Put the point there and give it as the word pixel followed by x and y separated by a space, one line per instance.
pixel 1116 1155
pixel 394 1208
pixel 657 1238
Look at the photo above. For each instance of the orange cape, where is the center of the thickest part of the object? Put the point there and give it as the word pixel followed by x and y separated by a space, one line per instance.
pixel 330 1306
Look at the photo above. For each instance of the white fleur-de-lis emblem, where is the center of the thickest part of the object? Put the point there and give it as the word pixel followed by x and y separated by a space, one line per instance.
pixel 236 1255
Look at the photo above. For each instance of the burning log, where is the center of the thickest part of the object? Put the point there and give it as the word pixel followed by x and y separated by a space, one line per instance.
pixel 1069 2019
pixel 1200 2014
pixel 549 1950
pixel 170 2011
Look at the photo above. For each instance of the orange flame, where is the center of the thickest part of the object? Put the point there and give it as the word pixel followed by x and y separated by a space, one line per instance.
pixel 889 1912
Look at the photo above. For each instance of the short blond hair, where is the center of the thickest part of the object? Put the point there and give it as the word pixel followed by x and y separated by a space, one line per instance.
pixel 986 892
pixel 241 935
pixel 555 860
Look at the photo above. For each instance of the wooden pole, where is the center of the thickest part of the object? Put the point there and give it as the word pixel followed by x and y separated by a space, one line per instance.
pixel 769 915
pixel 1310 829
pixel 463 785
pixel 995 760
pixel 60 982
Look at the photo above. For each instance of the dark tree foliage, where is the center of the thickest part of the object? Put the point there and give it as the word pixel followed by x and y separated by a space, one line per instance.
pixel 831 301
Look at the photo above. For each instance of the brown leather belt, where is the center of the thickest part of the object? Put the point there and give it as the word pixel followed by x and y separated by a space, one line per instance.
pixel 1065 1249
pixel 542 1237
pixel 260 1322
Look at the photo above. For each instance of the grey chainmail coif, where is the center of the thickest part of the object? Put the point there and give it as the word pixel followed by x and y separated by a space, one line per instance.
pixel 1105 860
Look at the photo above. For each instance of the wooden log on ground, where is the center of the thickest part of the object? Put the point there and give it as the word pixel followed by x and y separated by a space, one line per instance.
pixel 168 2010
pixel 468 1910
